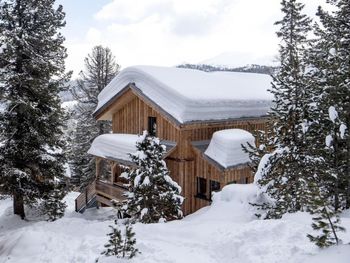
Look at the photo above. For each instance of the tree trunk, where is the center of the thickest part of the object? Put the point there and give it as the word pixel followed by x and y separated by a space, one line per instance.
pixel 18 205
pixel 348 174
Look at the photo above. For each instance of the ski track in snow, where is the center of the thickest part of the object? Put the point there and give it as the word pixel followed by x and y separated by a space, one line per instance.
pixel 224 232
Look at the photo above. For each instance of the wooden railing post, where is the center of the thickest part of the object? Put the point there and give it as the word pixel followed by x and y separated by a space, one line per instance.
pixel 86 195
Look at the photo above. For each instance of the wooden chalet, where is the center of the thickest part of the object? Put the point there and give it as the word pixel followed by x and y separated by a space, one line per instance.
pixel 184 108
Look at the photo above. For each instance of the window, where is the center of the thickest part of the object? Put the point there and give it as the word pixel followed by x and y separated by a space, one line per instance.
pixel 152 126
pixel 120 181
pixel 232 182
pixel 201 187
pixel 104 170
pixel 214 186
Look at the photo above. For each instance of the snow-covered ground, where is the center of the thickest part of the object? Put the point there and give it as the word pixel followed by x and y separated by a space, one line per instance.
pixel 227 231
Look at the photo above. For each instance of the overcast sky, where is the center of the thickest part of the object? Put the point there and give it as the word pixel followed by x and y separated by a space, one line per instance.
pixel 170 32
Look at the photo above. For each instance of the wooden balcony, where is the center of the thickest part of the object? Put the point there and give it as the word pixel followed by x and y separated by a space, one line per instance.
pixel 110 191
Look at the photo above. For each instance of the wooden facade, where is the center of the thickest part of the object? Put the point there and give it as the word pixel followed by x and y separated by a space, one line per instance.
pixel 130 113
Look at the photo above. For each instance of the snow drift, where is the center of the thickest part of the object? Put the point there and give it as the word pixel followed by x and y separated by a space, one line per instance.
pixel 226 231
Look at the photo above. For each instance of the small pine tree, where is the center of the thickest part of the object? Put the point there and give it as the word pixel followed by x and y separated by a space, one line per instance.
pixel 129 249
pixel 326 218
pixel 114 247
pixel 153 196
pixel 119 246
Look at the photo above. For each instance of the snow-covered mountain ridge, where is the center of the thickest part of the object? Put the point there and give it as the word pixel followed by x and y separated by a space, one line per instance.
pixel 249 68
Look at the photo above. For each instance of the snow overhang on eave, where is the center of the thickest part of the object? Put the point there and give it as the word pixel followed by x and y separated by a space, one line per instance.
pixel 202 146
pixel 117 147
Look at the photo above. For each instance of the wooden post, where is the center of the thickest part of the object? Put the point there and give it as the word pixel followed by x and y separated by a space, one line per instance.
pixel 98 164
pixel 113 166
pixel 86 196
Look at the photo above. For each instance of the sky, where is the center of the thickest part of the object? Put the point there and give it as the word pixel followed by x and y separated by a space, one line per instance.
pixel 171 32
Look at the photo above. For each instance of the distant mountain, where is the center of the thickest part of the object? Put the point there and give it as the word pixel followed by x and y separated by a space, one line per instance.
pixel 248 68
pixel 237 59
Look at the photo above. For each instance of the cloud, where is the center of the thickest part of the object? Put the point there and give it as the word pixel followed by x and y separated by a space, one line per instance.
pixel 126 12
pixel 183 17
pixel 169 32
pixel 93 36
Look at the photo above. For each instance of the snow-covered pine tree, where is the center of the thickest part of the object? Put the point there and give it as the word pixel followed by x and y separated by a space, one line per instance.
pixel 100 69
pixel 31 77
pixel 153 196
pixel 283 178
pixel 330 63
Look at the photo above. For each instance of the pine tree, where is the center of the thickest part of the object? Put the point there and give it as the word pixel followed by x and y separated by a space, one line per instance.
pixel 153 195
pixel 114 247
pixel 121 246
pixel 326 218
pixel 285 179
pixel 31 77
pixel 100 69
pixel 329 58
pixel 129 249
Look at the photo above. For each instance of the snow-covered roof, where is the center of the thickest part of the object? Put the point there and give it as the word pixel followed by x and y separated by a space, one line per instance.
pixel 225 147
pixel 118 146
pixel 192 95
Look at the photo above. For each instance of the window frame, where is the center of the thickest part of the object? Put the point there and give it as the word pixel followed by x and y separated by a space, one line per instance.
pixel 152 126
pixel 116 177
pixel 201 184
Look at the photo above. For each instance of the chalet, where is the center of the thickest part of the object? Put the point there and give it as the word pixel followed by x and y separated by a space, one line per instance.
pixel 202 118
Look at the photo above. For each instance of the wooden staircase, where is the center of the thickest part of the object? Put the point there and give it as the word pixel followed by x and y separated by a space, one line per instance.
pixel 86 199
pixel 99 192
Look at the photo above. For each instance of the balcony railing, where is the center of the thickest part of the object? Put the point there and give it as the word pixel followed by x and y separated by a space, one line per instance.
pixel 85 197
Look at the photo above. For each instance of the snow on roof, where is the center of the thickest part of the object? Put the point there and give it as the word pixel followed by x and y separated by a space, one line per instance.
pixel 225 147
pixel 119 146
pixel 190 95
pixel 114 146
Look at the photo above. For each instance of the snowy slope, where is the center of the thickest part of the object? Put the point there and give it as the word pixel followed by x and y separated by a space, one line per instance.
pixel 190 95
pixel 225 232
